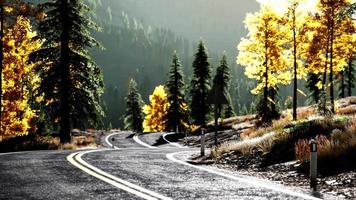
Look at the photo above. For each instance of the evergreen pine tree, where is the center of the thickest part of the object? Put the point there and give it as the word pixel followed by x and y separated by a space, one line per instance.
pixel 222 77
pixel 350 78
pixel 177 113
pixel 200 86
pixel 71 81
pixel 341 84
pixel 314 91
pixel 229 110
pixel 133 116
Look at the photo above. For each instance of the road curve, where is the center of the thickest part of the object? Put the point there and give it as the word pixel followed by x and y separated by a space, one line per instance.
pixel 129 170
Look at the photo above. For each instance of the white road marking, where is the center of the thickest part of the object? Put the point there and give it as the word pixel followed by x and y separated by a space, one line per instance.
pixel 142 143
pixel 109 143
pixel 9 153
pixel 113 180
pixel 171 157
pixel 172 143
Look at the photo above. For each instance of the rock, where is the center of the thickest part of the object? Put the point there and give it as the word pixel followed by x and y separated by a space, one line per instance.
pixel 332 182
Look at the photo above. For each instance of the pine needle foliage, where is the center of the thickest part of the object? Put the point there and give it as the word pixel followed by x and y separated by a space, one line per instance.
pixel 349 75
pixel 71 82
pixel 313 80
pixel 133 115
pixel 222 77
pixel 177 115
pixel 200 86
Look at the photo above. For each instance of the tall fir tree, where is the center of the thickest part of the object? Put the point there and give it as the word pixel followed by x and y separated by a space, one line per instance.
pixel 133 115
pixel 350 79
pixel 177 116
pixel 341 86
pixel 200 86
pixel 222 77
pixel 71 81
pixel 313 80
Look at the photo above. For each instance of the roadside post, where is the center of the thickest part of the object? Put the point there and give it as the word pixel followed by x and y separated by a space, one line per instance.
pixel 313 165
pixel 112 142
pixel 202 143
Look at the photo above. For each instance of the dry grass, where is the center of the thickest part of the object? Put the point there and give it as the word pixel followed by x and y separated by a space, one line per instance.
pixel 277 126
pixel 349 110
pixel 246 146
pixel 78 142
pixel 331 148
pixel 34 142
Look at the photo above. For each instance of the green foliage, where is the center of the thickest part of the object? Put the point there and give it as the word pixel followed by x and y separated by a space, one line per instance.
pixel 222 77
pixel 71 81
pixel 177 113
pixel 314 92
pixel 200 86
pixel 112 102
pixel 133 116
pixel 267 114
pixel 350 79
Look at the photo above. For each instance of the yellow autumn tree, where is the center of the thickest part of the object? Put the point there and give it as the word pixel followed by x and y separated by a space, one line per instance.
pixel 156 111
pixel 261 53
pixel 294 22
pixel 329 43
pixel 17 78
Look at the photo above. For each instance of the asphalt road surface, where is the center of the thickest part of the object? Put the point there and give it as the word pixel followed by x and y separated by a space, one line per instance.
pixel 128 167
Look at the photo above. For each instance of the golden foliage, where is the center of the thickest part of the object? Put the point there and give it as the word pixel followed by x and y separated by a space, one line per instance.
pixel 313 38
pixel 155 120
pixel 262 51
pixel 17 78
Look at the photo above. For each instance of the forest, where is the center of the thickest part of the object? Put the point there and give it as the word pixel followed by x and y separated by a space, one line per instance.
pixel 104 65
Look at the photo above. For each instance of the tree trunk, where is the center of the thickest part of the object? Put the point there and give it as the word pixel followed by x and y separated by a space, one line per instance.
pixel 323 97
pixel 265 93
pixel 349 81
pixel 331 75
pixel 342 94
pixel 1 55
pixel 295 87
pixel 273 97
pixel 65 73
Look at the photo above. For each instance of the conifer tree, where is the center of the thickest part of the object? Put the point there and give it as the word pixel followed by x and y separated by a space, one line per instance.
pixel 350 79
pixel 313 80
pixel 222 77
pixel 133 116
pixel 177 115
pixel 71 81
pixel 200 86
pixel 341 84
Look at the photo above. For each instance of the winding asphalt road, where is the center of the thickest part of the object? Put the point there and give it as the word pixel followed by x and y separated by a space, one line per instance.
pixel 127 167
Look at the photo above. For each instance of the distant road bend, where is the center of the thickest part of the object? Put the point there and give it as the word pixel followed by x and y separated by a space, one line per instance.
pixel 129 167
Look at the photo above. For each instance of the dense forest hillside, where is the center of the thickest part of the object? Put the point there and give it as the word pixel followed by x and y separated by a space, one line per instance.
pixel 133 29
pixel 139 38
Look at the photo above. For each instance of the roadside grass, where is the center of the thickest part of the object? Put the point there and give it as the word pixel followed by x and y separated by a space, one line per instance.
pixel 337 151
pixel 35 142
pixel 277 142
